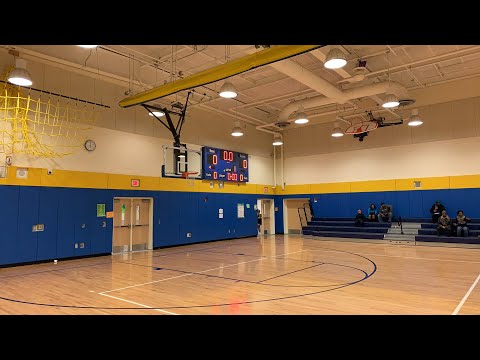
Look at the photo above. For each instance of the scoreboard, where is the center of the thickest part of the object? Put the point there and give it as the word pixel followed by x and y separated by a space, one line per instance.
pixel 224 165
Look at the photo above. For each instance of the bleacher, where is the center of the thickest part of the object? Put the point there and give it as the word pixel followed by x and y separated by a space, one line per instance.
pixel 345 228
pixel 428 233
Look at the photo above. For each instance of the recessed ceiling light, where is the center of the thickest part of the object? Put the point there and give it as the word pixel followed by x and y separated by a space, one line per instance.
pixel 156 113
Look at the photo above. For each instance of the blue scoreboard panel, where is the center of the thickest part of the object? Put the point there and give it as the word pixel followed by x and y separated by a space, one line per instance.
pixel 224 165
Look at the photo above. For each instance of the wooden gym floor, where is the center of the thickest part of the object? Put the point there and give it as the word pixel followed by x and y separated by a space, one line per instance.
pixel 270 275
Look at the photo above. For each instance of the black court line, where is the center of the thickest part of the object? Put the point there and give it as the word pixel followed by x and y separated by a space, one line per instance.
pixel 367 276
pixel 291 272
pixel 218 252
pixel 111 262
pixel 261 282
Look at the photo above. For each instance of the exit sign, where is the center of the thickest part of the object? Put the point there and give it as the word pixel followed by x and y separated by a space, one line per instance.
pixel 135 183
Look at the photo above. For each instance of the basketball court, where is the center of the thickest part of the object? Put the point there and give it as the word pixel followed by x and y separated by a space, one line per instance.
pixel 268 275
pixel 232 179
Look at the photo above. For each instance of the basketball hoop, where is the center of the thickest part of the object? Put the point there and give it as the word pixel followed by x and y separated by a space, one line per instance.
pixel 364 126
pixel 190 177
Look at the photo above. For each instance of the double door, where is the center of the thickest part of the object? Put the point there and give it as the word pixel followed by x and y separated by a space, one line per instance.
pixel 132 224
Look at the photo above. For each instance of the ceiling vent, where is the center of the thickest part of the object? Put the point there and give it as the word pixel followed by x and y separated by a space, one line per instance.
pixel 406 102
pixel 177 105
pixel 282 124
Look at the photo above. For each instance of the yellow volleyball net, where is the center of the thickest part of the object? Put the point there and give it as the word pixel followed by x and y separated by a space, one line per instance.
pixel 41 124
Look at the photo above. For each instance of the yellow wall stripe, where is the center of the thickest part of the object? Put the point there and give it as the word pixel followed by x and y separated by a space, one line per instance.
pixel 82 179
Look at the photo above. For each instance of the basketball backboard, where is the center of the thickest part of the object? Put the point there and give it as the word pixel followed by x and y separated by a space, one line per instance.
pixel 179 160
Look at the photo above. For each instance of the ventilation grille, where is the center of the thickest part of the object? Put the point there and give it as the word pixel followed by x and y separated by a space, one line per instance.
pixel 282 124
pixel 406 102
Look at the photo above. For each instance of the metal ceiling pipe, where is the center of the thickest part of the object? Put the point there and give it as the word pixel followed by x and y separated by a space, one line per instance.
pixel 390 87
pixel 220 72
pixel 308 78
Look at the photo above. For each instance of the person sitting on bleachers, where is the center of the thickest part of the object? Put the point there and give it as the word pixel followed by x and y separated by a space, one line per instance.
pixel 372 213
pixel 461 223
pixel 436 211
pixel 444 224
pixel 360 218
pixel 385 213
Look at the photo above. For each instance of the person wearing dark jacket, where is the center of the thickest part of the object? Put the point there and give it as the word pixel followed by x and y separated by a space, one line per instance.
pixel 461 223
pixel 444 224
pixel 360 218
pixel 436 211
pixel 385 213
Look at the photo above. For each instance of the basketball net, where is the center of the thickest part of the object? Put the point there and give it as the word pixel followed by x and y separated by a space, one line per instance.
pixel 190 177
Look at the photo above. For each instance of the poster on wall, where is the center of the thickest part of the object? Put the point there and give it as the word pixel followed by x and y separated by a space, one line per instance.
pixel 240 211
pixel 100 210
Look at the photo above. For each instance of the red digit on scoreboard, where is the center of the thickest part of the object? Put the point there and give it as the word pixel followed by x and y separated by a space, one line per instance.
pixel 229 176
pixel 234 176
pixel 241 177
pixel 230 156
pixel 215 175
pixel 215 159
pixel 245 165
pixel 225 155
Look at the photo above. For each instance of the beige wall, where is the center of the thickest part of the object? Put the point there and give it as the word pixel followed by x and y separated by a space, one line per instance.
pixel 446 144
pixel 128 140
pixel 120 152
pixel 441 158
pixel 450 120
pixel 201 127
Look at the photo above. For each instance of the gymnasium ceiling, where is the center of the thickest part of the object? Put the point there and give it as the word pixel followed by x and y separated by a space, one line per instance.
pixel 263 92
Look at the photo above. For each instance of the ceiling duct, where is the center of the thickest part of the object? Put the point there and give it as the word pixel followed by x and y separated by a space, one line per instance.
pixel 237 66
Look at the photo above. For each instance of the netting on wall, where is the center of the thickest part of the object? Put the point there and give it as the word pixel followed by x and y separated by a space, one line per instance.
pixel 41 124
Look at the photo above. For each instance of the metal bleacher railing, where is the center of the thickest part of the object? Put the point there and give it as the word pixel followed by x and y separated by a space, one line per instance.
pixel 305 214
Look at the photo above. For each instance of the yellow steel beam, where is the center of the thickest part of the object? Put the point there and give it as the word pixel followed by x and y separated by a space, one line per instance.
pixel 234 67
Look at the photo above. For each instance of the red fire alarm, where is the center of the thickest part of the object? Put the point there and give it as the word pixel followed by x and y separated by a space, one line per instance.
pixel 135 183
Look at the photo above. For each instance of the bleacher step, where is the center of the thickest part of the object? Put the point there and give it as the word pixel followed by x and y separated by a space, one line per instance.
pixel 405 231
pixel 405 237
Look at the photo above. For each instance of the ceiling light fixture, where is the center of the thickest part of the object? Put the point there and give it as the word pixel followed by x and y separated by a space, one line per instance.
pixel 390 101
pixel 237 130
pixel 228 91
pixel 301 117
pixel 277 140
pixel 337 132
pixel 157 113
pixel 20 75
pixel 335 59
pixel 88 46
pixel 415 119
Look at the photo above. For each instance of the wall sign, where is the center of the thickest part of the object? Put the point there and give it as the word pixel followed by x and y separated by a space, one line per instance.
pixel 240 211
pixel 100 210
